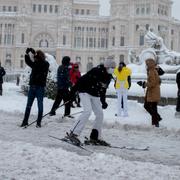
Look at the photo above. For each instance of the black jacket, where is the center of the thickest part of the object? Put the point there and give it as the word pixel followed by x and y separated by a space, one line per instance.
pixel 2 73
pixel 94 82
pixel 178 80
pixel 39 71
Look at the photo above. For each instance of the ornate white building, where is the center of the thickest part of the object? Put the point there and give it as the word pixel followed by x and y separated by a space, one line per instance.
pixel 74 28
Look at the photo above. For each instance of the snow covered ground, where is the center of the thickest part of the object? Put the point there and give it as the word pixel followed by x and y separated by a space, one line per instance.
pixel 30 154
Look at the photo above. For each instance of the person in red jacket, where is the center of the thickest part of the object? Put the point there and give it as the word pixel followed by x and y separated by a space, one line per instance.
pixel 74 76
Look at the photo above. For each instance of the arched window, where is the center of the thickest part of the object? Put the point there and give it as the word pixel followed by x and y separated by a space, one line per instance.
pixel 90 63
pixel 137 11
pixel 142 10
pixel 64 40
pixel 121 58
pixel 113 41
pixel 22 38
pixel 43 43
pixel 141 40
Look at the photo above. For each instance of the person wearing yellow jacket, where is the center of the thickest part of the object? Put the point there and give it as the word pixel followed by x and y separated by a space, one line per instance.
pixel 122 73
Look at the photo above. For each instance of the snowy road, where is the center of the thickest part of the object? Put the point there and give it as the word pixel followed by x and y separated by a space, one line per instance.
pixel 164 144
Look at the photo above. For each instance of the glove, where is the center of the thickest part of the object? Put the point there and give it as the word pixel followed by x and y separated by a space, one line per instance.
pixel 28 50
pixel 142 84
pixel 33 51
pixel 104 105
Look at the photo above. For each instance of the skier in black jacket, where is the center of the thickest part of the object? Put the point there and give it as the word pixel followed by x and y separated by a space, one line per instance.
pixel 2 73
pixel 92 91
pixel 37 83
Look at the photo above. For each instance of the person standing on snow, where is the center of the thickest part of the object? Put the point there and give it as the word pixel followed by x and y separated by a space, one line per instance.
pixel 37 83
pixel 152 96
pixel 63 84
pixel 122 74
pixel 177 114
pixel 74 76
pixel 2 73
pixel 92 91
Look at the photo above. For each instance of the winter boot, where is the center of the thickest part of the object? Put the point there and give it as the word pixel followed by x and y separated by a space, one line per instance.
pixel 52 113
pixel 94 135
pixel 95 140
pixel 38 125
pixel 24 124
pixel 73 138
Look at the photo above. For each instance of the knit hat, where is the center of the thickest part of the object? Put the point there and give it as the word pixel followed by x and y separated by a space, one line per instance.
pixel 109 63
pixel 66 60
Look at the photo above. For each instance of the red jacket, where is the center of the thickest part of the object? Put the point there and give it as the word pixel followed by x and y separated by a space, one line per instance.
pixel 74 74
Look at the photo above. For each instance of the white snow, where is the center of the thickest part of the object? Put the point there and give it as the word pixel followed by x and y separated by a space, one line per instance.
pixel 29 154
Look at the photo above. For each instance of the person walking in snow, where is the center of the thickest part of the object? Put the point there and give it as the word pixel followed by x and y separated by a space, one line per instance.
pixel 63 84
pixel 2 73
pixel 37 83
pixel 152 96
pixel 92 91
pixel 74 76
pixel 122 74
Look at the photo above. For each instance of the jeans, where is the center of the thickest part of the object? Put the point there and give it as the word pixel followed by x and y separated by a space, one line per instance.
pixel 34 92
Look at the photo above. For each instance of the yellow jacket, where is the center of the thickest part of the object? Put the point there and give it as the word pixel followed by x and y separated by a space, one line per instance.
pixel 121 77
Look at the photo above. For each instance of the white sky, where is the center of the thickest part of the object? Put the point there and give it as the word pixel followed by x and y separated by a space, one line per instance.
pixel 104 10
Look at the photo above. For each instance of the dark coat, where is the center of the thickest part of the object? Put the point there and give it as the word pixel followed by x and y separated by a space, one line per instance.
pixel 178 80
pixel 63 77
pixel 94 82
pixel 39 71
pixel 2 73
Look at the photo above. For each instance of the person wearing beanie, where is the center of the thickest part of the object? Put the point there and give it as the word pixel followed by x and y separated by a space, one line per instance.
pixel 63 86
pixel 122 84
pixel 92 91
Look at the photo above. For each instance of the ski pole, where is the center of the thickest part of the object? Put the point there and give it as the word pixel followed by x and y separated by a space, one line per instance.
pixel 45 115
pixel 56 109
pixel 75 113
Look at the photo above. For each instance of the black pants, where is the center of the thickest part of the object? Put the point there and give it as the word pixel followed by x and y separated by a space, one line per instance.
pixel 178 102
pixel 77 100
pixel 0 89
pixel 151 108
pixel 62 94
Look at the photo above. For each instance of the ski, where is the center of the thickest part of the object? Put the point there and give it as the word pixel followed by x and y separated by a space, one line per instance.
pixel 71 143
pixel 131 148
pixel 89 142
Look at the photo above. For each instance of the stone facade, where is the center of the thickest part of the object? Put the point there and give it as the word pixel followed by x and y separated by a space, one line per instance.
pixel 74 28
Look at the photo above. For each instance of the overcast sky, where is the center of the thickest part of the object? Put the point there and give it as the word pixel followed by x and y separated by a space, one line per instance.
pixel 104 10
